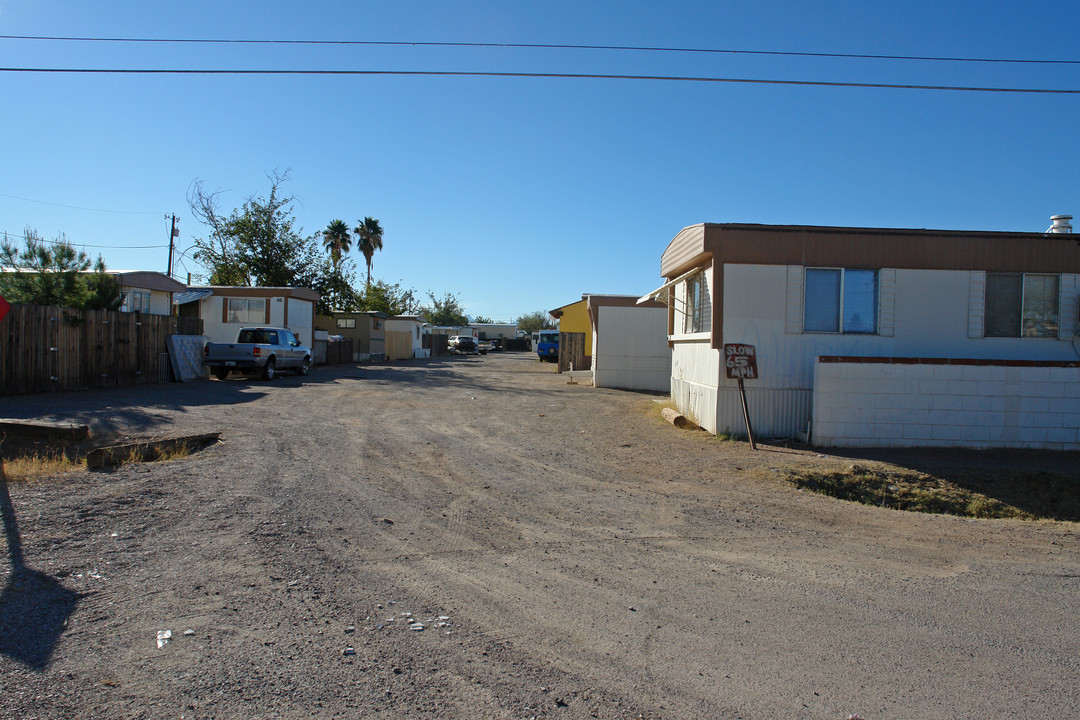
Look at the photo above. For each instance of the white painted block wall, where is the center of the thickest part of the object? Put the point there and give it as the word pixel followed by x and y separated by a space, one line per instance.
pixel 924 405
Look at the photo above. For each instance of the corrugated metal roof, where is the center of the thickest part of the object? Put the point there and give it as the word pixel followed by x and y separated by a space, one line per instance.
pixel 191 296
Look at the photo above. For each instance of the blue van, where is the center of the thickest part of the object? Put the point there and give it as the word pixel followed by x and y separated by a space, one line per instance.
pixel 547 345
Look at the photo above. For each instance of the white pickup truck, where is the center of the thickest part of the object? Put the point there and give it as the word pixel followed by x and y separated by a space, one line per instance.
pixel 258 350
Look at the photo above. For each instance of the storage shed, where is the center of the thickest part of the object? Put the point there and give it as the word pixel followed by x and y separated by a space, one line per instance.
pixel 630 343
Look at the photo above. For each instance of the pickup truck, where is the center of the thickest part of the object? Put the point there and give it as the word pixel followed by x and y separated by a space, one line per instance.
pixel 258 350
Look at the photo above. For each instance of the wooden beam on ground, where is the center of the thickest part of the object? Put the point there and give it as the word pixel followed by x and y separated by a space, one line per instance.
pixel 51 431
pixel 145 450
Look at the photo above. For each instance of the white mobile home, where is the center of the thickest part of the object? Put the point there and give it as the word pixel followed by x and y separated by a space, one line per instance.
pixel 225 309
pixel 879 336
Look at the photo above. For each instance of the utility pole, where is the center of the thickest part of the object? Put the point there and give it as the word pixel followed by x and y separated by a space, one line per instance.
pixel 174 232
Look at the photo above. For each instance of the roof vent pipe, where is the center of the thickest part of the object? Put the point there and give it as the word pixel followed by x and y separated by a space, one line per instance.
pixel 1061 224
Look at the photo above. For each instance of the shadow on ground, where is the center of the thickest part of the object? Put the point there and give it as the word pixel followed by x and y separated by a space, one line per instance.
pixel 1041 483
pixel 34 607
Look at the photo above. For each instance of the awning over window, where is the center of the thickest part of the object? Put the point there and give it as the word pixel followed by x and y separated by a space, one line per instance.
pixel 190 296
pixel 660 293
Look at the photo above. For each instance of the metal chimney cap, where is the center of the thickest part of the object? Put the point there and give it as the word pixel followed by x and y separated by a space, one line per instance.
pixel 1060 224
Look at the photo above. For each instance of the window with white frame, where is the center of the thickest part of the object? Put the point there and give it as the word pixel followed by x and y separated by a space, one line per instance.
pixel 697 306
pixel 1021 305
pixel 346 323
pixel 246 311
pixel 136 301
pixel 840 300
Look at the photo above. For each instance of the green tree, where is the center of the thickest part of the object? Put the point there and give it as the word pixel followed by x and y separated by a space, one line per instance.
pixel 480 319
pixel 444 311
pixel 534 321
pixel 102 289
pixel 391 299
pixel 335 287
pixel 369 238
pixel 55 273
pixel 256 244
pixel 337 239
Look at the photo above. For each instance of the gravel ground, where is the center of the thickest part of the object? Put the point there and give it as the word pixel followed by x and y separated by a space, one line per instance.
pixel 566 552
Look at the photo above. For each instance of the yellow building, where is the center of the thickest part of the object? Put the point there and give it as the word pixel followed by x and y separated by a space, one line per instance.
pixel 575 318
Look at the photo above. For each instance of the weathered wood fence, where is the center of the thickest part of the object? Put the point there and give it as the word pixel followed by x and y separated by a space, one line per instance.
pixel 437 344
pixel 571 351
pixel 339 352
pixel 398 345
pixel 44 348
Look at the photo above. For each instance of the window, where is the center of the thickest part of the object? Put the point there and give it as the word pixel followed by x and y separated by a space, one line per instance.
pixel 136 301
pixel 346 323
pixel 259 337
pixel 840 300
pixel 1021 305
pixel 697 317
pixel 246 310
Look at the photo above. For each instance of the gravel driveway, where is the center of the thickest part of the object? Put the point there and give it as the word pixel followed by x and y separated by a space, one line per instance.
pixel 566 553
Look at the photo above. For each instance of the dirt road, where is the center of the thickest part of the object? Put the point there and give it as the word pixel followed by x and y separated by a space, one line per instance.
pixel 568 554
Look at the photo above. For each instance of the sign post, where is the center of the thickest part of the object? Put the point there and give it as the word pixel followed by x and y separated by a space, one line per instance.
pixel 741 363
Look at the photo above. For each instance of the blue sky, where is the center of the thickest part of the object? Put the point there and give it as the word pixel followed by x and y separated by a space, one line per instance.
pixel 519 194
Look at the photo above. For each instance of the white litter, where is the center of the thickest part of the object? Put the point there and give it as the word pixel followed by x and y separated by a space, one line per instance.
pixel 163 637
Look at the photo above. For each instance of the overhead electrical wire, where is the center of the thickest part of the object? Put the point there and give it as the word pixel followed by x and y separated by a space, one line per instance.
pixel 84 245
pixel 75 207
pixel 544 46
pixel 572 76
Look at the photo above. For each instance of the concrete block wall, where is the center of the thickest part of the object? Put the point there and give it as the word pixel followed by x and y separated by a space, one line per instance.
pixel 904 402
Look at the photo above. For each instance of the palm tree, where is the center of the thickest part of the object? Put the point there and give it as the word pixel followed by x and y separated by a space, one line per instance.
pixel 369 239
pixel 337 240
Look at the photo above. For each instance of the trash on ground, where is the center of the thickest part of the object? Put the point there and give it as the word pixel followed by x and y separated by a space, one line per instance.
pixel 163 637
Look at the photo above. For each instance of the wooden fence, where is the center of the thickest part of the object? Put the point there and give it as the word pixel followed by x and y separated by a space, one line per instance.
pixel 571 351
pixel 398 345
pixel 437 344
pixel 44 348
pixel 339 352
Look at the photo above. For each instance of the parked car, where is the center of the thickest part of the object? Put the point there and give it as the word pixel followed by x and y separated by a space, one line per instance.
pixel 258 350
pixel 464 345
pixel 483 347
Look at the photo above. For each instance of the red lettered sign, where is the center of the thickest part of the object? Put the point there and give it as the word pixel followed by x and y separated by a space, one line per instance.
pixel 4 307
pixel 740 361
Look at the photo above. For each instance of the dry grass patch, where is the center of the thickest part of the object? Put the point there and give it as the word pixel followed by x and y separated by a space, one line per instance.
pixel 33 468
pixel 967 493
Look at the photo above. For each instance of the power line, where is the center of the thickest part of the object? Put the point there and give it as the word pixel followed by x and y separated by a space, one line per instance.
pixel 78 244
pixel 74 207
pixel 570 76
pixel 547 46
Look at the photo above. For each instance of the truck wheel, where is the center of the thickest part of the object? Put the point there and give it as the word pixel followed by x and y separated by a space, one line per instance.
pixel 269 371
pixel 221 373
pixel 305 367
